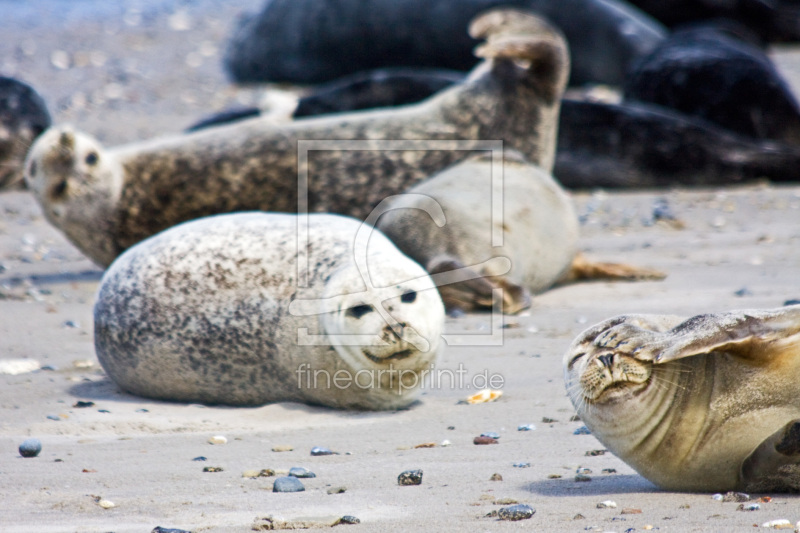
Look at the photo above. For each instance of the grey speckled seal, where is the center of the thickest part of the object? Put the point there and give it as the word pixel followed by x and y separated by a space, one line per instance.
pixel 106 200
pixel 708 403
pixel 23 117
pixel 211 311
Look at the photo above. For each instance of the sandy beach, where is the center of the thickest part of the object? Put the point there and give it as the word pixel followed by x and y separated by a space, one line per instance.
pixel 135 70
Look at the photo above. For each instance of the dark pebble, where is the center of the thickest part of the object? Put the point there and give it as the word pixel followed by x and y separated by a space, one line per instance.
pixel 526 427
pixel 30 448
pixel 583 430
pixel 159 529
pixel 609 471
pixel 348 519
pixel 484 440
pixel 299 471
pixel 594 453
pixel 71 324
pixel 53 417
pixel 201 458
pixel 319 450
pixel 212 469
pixel 582 478
pixel 451 428
pixel 496 477
pixel 103 411
pixel 82 404
pixel 287 484
pixel 548 420
pixel 49 368
pixel 793 301
pixel 516 512
pixel 574 418
pixel 337 490
pixel 142 411
pixel 662 210
pixel 744 291
pixel 491 435
pixel 410 477
pixel 521 465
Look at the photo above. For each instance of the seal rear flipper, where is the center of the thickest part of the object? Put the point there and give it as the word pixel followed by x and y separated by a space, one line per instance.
pixel 583 268
pixel 476 293
pixel 775 464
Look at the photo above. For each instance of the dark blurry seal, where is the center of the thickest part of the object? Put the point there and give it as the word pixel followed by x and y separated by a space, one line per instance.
pixel 312 41
pixel 106 200
pixel 708 74
pixel 211 311
pixel 704 404
pixel 23 116
pixel 495 208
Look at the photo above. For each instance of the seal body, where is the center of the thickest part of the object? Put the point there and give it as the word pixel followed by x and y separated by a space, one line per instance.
pixel 535 220
pixel 106 200
pixel 708 403
pixel 23 117
pixel 224 310
pixel 312 41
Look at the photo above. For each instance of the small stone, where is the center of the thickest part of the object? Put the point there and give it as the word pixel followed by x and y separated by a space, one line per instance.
pixel 299 471
pixel 426 445
pixel 265 472
pixel 781 523
pixel 71 324
pixel 83 364
pixel 105 504
pixel 30 448
pixel 142 410
pixel 579 517
pixel 82 404
pixel 200 458
pixel 337 490
pixel 159 529
pixel 496 477
pixel 217 439
pixel 717 497
pixel 521 465
pixel 583 430
pixel 744 291
pixel 630 510
pixel 554 476
pixel 594 453
pixel 548 420
pixel 736 497
pixel 319 450
pixel 574 418
pixel 445 443
pixel 647 527
pixel 748 507
pixel 282 448
pixel 288 484
pixel 582 478
pixel 491 514
pixel 609 471
pixel 349 519
pixel 582 470
pixel 212 469
pixel 608 504
pixel 491 435
pixel 516 512
pixel 793 301
pixel 451 428
pixel 410 477
pixel 484 396
pixel 526 427
pixel 484 440
pixel 60 59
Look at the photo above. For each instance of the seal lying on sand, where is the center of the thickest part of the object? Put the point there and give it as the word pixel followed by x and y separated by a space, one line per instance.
pixel 213 311
pixel 23 117
pixel 106 200
pixel 705 404
pixel 522 215
pixel 312 41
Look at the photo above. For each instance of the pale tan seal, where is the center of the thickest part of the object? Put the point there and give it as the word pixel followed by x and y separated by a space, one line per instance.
pixel 495 206
pixel 217 311
pixel 106 200
pixel 705 404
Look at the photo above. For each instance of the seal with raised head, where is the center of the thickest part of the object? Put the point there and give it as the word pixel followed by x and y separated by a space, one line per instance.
pixel 234 310
pixel 23 117
pixel 708 403
pixel 106 200
pixel 495 206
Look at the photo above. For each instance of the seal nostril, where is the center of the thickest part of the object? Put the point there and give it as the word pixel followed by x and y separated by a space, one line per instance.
pixel 606 359
pixel 408 297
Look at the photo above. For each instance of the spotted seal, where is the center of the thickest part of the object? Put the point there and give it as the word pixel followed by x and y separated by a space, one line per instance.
pixel 230 309
pixel 708 403
pixel 23 117
pixel 106 200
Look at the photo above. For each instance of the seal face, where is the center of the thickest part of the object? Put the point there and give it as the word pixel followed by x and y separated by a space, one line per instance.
pixel 704 404
pixel 513 95
pixel 224 310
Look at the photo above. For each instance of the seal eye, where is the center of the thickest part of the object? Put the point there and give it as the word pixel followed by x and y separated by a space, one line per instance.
pixel 359 310
pixel 91 159
pixel 408 297
pixel 575 360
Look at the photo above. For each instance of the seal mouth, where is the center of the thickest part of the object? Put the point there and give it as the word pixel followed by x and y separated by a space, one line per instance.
pixel 620 390
pixel 397 356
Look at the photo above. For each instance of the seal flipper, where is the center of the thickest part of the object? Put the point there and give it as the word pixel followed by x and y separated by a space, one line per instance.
pixel 775 463
pixel 583 268
pixel 476 293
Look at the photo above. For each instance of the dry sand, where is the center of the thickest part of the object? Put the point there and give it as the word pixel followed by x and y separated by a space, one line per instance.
pixel 134 72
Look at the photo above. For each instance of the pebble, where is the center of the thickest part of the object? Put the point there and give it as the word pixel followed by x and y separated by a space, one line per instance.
pixel 484 396
pixel 496 477
pixel 81 404
pixel 553 476
pixel 526 427
pixel 793 301
pixel 485 440
pixel 200 458
pixel 781 523
pixel 581 478
pixel 410 477
pixel 744 291
pixel 749 507
pixel 60 59
pixel 105 504
pixel 159 529
pixel 583 430
pixel 521 465
pixel 445 443
pixel 217 439
pixel 287 484
pixel 737 497
pixel 30 448
pixel 266 472
pixel 337 490
pixel 282 448
pixel 548 420
pixel 581 470
pixel 609 471
pixel 299 471
pixel 491 435
pixel 608 504
pixel 349 519
pixel 212 469
pixel 516 512
pixel 717 497
pixel 319 450
pixel 71 324
pixel 426 445
pixel 595 453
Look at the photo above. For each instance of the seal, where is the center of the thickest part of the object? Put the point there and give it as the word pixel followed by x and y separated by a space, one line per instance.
pixel 529 222
pixel 707 403
pixel 231 310
pixel 314 41
pixel 106 200
pixel 23 117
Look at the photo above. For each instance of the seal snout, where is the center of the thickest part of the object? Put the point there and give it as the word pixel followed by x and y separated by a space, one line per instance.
pixel 606 359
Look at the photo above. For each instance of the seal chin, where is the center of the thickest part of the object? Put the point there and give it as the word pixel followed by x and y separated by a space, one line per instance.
pixel 394 356
pixel 617 391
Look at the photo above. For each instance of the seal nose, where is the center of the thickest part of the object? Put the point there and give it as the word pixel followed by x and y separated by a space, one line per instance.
pixel 606 359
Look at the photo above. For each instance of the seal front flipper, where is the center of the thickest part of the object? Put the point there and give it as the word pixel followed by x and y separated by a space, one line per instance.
pixel 476 293
pixel 583 268
pixel 775 463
